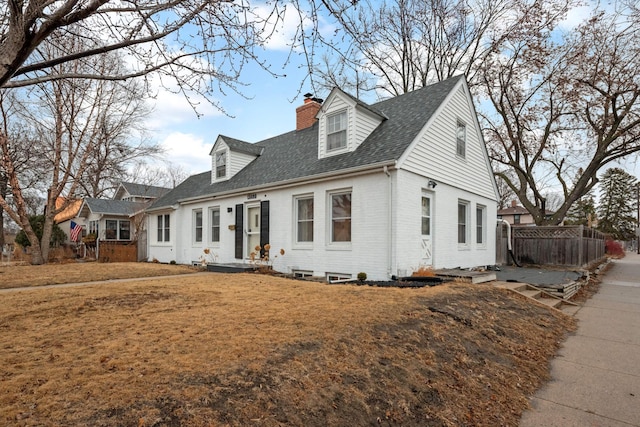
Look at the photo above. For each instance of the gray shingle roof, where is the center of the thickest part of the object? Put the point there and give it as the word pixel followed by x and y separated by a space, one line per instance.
pixel 113 207
pixel 294 155
pixel 242 146
pixel 144 190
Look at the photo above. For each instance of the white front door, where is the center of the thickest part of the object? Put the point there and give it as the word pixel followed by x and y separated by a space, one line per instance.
pixel 427 229
pixel 253 230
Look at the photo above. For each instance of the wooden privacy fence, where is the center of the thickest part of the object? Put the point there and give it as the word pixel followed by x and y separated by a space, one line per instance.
pixel 110 251
pixel 574 245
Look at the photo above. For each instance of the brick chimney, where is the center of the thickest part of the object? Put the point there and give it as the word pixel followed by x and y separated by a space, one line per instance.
pixel 514 203
pixel 306 113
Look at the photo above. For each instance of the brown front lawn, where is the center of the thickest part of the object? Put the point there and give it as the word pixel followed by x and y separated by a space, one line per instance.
pixel 17 276
pixel 252 350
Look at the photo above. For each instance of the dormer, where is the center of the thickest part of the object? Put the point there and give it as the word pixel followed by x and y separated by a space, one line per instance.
pixel 344 123
pixel 229 156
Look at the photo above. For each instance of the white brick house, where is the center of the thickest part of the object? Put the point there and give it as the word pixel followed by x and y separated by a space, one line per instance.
pixel 383 188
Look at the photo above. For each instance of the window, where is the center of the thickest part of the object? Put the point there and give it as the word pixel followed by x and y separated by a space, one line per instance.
pixel 117 229
pixel 516 218
pixel 221 164
pixel 214 220
pixel 337 131
pixel 197 225
pixel 481 219
pixel 163 228
pixel 341 217
pixel 301 274
pixel 426 216
pixel 304 219
pixel 463 222
pixel 93 227
pixel 461 139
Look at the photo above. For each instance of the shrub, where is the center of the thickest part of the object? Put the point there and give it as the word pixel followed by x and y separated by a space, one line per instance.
pixel 613 248
pixel 424 271
pixel 362 276
pixel 37 224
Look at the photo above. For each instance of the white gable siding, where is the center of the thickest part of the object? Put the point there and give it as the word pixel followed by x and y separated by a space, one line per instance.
pixel 335 104
pixel 365 123
pixel 237 161
pixel 435 154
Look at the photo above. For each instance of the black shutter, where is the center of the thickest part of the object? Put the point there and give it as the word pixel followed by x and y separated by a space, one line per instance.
pixel 239 230
pixel 264 225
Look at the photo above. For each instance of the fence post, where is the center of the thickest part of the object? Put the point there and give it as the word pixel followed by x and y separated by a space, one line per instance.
pixel 581 246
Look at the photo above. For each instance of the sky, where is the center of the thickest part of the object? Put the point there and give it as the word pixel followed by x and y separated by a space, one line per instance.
pixel 266 109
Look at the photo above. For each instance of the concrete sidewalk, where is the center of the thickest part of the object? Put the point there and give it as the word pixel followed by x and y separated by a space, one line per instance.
pixel 596 375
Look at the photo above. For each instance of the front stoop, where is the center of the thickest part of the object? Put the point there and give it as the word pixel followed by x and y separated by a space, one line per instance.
pixel 540 296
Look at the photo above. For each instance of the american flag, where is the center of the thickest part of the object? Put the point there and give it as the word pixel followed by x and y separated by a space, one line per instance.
pixel 76 230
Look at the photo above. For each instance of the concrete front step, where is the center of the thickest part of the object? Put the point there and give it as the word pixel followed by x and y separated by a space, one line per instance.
pixel 531 293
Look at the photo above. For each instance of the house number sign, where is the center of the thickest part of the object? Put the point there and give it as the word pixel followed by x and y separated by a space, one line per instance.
pixel 251 196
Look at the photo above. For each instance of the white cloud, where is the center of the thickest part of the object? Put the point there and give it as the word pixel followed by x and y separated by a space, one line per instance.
pixel 281 28
pixel 576 16
pixel 187 150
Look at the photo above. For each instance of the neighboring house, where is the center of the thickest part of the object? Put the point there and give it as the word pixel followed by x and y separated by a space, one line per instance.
pixel 67 215
pixel 139 192
pixel 110 219
pixel 515 214
pixel 382 189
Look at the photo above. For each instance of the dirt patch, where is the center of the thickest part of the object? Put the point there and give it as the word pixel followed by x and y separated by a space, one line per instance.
pixel 247 349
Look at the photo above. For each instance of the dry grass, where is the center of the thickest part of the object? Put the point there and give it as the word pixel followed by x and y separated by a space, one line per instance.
pixel 256 350
pixel 16 276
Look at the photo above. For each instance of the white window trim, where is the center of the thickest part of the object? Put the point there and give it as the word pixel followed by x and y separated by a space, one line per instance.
pixel 210 226
pixel 466 244
pixel 226 164
pixel 458 124
pixel 194 227
pixel 330 243
pixel 304 244
pixel 165 226
pixel 325 142
pixel 483 224
pixel 337 276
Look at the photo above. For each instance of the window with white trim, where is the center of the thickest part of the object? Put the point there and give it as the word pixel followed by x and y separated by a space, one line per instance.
pixel 221 163
pixel 214 221
pixel 461 139
pixel 117 229
pixel 340 217
pixel 463 223
pixel 197 225
pixel 337 131
pixel 304 219
pixel 481 225
pixel 426 216
pixel 163 228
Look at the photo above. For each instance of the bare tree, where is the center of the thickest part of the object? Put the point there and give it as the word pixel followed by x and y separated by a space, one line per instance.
pixel 200 45
pixel 562 107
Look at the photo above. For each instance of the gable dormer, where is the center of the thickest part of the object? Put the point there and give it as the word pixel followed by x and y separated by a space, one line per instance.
pixel 344 123
pixel 229 156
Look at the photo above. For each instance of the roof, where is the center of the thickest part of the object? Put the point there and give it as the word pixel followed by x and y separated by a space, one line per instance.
pixel 511 210
pixel 111 207
pixel 242 146
pixel 69 212
pixel 142 190
pixel 294 155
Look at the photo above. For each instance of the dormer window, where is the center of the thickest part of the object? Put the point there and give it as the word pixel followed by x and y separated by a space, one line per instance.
pixel 337 131
pixel 221 164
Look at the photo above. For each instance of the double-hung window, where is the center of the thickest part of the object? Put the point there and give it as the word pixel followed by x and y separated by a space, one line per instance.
pixel 221 164
pixel 463 223
pixel 461 139
pixel 163 228
pixel 341 217
pixel 214 221
pixel 304 219
pixel 197 225
pixel 481 219
pixel 337 131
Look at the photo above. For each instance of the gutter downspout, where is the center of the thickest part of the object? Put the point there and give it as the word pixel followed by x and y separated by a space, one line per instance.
pixel 385 169
pixel 509 248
